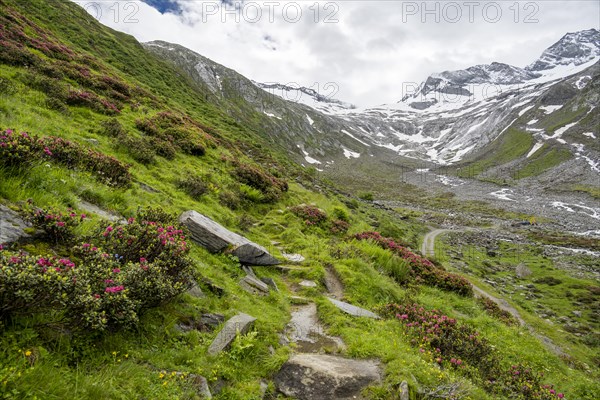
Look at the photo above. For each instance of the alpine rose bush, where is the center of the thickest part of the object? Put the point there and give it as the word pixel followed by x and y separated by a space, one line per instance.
pixel 455 345
pixel 312 215
pixel 21 150
pixel 57 225
pixel 422 269
pixel 115 276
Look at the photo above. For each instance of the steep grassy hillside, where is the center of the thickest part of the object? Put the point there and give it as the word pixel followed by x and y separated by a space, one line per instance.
pixel 102 144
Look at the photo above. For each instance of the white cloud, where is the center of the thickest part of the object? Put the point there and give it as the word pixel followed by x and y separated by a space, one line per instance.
pixel 373 49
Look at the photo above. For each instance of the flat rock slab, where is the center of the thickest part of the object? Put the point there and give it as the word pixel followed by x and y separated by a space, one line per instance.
pixel 353 310
pixel 240 323
pixel 216 238
pixel 325 377
pixel 254 285
pixel 12 226
pixel 310 284
pixel 92 208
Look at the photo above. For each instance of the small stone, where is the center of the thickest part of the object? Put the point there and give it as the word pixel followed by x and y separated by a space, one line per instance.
pixel 263 389
pixel 148 188
pixel 578 313
pixel 404 392
pixel 522 271
pixel 214 289
pixel 196 291
pixel 308 284
pixel 271 283
pixel 93 142
pixel 298 258
pixel 249 271
pixel 211 321
pixel 201 386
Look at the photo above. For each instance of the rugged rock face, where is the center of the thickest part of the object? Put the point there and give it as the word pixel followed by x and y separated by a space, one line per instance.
pixel 325 377
pixel 452 115
pixel 578 48
pixel 215 238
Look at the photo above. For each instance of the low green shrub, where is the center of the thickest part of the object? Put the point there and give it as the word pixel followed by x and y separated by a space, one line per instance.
pixel 194 186
pixel 341 214
pixel 272 188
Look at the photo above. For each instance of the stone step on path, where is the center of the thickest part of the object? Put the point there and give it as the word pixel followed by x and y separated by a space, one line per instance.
pixel 326 377
pixel 353 310
pixel 311 375
pixel 305 330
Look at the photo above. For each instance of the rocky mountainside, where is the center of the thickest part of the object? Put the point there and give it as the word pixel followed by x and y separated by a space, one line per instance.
pixel 535 128
pixel 452 116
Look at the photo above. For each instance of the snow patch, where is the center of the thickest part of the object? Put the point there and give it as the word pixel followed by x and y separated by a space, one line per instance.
pixel 271 115
pixel 354 137
pixel 582 82
pixel 310 120
pixel 533 121
pixel 503 194
pixel 559 132
pixel 578 208
pixel 535 148
pixel 589 134
pixel 523 111
pixel 350 154
pixel 550 109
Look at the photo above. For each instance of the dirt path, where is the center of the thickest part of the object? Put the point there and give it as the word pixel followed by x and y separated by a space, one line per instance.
pixel 333 283
pixel 428 249
pixel 428 246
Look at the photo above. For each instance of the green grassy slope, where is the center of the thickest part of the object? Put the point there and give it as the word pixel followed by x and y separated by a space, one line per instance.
pixel 163 121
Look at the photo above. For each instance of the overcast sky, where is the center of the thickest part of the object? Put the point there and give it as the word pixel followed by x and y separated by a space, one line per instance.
pixel 369 49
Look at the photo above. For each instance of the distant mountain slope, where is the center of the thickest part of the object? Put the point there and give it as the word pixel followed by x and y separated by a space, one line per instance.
pixel 454 118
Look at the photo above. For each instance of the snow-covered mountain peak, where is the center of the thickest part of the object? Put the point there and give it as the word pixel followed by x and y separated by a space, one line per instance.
pixel 574 48
pixel 455 89
pixel 325 102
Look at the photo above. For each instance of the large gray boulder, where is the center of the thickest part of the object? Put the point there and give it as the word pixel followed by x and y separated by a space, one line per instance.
pixel 353 310
pixel 215 238
pixel 12 226
pixel 240 323
pixel 325 377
